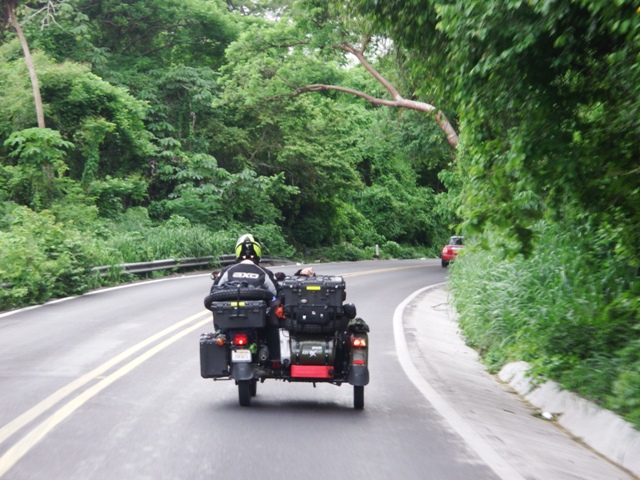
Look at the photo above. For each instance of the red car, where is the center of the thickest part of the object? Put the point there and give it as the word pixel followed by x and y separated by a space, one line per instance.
pixel 451 249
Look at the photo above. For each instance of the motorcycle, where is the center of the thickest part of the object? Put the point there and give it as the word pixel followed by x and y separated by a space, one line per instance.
pixel 306 334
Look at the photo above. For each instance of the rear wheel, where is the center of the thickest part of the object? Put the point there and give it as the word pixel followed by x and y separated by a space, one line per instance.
pixel 358 397
pixel 244 392
pixel 445 264
pixel 254 387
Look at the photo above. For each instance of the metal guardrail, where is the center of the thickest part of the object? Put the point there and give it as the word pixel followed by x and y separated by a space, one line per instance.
pixel 170 264
pixel 147 267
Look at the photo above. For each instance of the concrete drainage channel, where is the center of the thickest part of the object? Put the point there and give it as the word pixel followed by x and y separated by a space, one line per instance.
pixel 540 431
pixel 598 428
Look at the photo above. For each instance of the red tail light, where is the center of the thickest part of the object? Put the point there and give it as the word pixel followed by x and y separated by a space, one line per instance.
pixel 358 342
pixel 240 339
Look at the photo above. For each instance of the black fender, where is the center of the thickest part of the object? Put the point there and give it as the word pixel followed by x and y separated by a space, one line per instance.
pixel 358 375
pixel 241 371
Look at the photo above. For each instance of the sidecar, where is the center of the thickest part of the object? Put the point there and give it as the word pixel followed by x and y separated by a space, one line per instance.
pixel 312 336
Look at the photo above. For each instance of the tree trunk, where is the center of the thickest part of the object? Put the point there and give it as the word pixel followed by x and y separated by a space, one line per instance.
pixel 30 66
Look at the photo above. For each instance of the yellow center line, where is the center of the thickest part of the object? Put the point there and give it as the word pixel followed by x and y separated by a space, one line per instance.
pixel 382 270
pixel 31 414
pixel 21 448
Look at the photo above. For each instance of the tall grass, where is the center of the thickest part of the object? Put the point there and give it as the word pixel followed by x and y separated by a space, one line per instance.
pixel 571 309
pixel 130 242
pixel 50 255
pixel 42 258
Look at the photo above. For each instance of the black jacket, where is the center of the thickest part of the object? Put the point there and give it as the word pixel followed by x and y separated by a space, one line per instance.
pixel 249 272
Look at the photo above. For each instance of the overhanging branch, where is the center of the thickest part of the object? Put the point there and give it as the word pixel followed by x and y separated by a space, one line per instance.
pixel 397 101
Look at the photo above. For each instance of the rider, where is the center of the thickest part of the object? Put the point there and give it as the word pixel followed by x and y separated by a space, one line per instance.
pixel 247 269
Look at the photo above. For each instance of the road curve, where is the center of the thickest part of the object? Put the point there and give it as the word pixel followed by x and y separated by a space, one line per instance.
pixel 107 386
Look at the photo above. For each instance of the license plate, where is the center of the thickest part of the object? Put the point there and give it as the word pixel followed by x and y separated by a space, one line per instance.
pixel 240 356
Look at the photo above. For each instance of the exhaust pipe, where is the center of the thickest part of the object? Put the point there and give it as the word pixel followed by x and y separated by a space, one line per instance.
pixel 263 354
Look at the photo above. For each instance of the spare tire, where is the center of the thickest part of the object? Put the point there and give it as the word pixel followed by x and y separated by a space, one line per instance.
pixel 349 310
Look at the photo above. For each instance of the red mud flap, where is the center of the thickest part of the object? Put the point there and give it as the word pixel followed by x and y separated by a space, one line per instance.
pixel 311 371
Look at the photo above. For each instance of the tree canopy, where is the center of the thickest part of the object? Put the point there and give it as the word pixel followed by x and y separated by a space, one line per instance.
pixel 184 108
pixel 548 100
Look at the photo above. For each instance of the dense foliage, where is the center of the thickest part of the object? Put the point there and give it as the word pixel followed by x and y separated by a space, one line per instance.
pixel 175 125
pixel 547 175
pixel 165 139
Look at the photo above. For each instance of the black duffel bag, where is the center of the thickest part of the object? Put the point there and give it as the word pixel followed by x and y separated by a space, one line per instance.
pixel 236 291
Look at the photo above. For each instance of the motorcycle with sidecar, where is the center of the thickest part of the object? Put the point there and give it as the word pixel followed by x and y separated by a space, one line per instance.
pixel 306 334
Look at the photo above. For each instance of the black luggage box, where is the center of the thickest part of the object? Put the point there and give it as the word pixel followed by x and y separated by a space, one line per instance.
pixel 313 299
pixel 213 357
pixel 242 314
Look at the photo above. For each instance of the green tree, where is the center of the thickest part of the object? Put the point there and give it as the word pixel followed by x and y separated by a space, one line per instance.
pixel 9 16
pixel 548 98
pixel 40 156
pixel 212 196
pixel 139 36
pixel 329 144
pixel 106 122
pixel 319 32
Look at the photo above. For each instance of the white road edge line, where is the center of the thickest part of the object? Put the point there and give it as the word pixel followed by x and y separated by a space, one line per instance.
pixel 147 282
pixel 101 290
pixel 19 422
pixel 474 440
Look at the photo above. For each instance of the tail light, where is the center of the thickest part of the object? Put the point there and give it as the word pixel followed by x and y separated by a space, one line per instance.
pixel 359 350
pixel 358 342
pixel 240 339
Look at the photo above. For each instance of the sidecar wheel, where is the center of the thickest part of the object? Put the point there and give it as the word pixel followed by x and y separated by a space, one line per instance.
pixel 244 392
pixel 358 397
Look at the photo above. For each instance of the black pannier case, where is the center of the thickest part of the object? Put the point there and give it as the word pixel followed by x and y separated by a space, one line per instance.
pixel 242 314
pixel 314 300
pixel 213 357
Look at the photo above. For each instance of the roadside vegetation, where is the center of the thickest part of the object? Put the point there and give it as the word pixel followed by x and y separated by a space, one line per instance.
pixel 153 129
pixel 570 309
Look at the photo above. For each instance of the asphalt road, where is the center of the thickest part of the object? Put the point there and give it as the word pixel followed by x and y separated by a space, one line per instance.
pixel 107 386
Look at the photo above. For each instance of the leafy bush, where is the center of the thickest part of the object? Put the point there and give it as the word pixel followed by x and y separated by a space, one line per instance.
pixel 41 259
pixel 352 226
pixel 114 195
pixel 345 252
pixel 625 394
pixel 395 250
